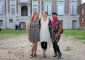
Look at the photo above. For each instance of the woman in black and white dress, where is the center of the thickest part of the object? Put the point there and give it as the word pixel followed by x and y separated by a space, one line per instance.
pixel 34 33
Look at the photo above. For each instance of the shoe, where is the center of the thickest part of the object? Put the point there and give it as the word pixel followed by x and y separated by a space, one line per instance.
pixel 31 56
pixel 59 56
pixel 44 56
pixel 35 55
pixel 55 56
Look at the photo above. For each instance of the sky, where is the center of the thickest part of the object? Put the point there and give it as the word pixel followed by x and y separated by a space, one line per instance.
pixel 83 1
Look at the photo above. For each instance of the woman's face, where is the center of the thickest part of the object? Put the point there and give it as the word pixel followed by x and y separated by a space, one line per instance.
pixel 54 16
pixel 36 16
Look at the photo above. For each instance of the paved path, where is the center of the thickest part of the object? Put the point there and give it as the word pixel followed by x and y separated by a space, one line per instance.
pixel 19 48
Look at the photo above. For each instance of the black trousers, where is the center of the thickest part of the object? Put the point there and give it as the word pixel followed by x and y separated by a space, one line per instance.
pixel 56 47
pixel 44 45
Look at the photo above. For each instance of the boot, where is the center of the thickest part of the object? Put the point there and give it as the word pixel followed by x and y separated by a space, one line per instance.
pixel 59 55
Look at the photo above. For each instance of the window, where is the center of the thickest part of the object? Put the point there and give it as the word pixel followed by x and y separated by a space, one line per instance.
pixel 82 11
pixel 10 20
pixel 74 24
pixel 73 9
pixel 12 0
pixel 1 9
pixel 13 9
pixel 34 8
pixel 24 1
pixel 48 9
pixel 1 23
pixel 46 0
pixel 60 10
pixel 73 0
pixel 60 0
pixel 82 20
pixel 24 11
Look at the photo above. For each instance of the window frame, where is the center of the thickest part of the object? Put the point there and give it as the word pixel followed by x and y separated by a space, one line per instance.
pixel 33 7
pixel 2 23
pixel 73 9
pixel 12 7
pixel 1 9
pixel 62 14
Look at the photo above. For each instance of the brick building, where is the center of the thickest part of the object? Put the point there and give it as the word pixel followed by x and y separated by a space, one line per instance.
pixel 20 11
pixel 82 16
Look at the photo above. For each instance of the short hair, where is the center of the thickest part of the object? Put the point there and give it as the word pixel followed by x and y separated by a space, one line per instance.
pixel 54 13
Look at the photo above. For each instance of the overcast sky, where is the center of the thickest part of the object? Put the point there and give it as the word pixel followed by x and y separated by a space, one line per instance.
pixel 83 1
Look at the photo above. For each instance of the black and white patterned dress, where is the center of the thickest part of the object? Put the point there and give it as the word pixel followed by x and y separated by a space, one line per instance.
pixel 34 35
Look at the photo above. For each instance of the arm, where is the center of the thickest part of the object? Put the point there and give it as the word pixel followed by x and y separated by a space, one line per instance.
pixel 28 27
pixel 60 28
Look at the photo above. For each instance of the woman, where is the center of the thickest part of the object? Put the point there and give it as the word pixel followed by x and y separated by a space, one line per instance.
pixel 45 37
pixel 56 34
pixel 33 33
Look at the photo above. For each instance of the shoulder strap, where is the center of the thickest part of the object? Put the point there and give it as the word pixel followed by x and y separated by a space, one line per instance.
pixel 40 23
pixel 49 22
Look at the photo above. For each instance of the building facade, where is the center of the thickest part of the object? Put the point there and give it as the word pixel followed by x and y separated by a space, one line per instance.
pixel 20 11
pixel 82 16
pixel 13 12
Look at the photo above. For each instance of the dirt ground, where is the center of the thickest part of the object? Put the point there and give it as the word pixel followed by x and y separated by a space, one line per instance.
pixel 19 48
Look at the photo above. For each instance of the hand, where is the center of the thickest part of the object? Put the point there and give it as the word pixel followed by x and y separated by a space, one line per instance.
pixel 56 35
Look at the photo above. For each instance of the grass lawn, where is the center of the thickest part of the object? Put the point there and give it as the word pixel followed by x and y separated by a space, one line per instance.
pixel 77 33
pixel 8 33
